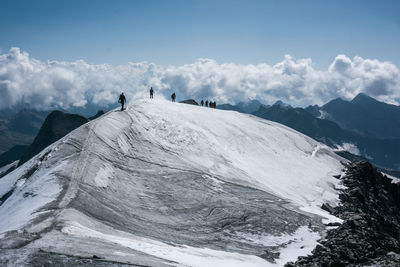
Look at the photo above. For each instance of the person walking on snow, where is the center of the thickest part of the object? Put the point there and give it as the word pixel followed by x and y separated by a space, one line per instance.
pixel 151 92
pixel 122 100
pixel 202 102
pixel 173 96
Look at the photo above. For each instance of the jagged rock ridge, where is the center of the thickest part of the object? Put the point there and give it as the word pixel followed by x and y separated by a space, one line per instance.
pixel 370 233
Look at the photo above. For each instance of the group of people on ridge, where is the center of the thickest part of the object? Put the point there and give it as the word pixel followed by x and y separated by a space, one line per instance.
pixel 122 100
pixel 209 104
pixel 173 97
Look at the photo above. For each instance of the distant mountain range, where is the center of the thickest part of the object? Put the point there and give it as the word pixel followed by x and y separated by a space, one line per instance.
pixel 19 127
pixel 56 126
pixel 362 126
pixel 363 114
pixel 230 107
pixel 249 106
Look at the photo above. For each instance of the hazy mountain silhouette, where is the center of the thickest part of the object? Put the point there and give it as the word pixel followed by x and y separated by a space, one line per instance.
pixel 98 114
pixel 249 106
pixel 281 104
pixel 297 118
pixel 15 153
pixel 56 126
pixel 383 152
pixel 27 121
pixel 366 115
pixel 230 107
pixel 19 127
pixel 90 108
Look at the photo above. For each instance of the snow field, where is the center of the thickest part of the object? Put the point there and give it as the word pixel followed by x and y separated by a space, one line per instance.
pixel 244 149
pixel 98 163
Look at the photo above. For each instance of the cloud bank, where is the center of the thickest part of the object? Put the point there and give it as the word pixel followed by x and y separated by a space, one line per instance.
pixel 74 84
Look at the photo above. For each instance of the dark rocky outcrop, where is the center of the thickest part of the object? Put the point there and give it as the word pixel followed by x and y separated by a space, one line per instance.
pixel 351 157
pixel 370 233
pixel 56 126
pixel 190 102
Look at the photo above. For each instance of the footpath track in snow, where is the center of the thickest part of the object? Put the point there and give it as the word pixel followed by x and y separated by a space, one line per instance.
pixel 79 166
pixel 168 183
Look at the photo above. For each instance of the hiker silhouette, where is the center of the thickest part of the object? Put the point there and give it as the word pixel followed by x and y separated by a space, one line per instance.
pixel 202 102
pixel 173 96
pixel 122 100
pixel 151 92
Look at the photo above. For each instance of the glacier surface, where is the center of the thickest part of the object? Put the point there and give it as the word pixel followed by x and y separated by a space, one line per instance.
pixel 163 184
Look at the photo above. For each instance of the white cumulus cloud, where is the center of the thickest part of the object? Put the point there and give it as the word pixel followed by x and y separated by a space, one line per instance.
pixel 57 83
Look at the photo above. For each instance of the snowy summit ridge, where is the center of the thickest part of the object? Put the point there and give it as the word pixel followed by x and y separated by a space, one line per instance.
pixel 170 184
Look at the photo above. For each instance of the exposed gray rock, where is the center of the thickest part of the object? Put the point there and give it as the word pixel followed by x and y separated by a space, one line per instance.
pixel 370 233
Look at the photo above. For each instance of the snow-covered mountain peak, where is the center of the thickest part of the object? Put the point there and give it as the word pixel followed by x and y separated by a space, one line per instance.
pixel 169 183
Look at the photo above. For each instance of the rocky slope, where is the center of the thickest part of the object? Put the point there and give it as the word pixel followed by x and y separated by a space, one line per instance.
pixel 370 233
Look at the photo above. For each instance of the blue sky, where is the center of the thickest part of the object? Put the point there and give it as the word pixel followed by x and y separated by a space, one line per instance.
pixel 179 32
pixel 301 52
